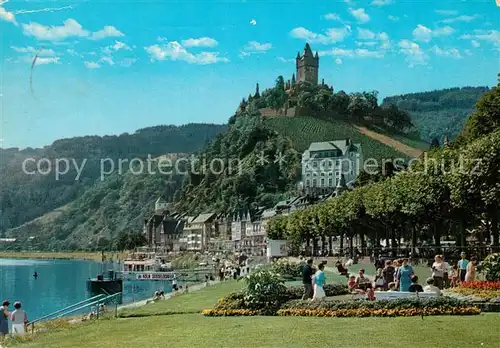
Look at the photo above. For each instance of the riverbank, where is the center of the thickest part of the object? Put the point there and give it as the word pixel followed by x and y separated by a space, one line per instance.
pixel 42 255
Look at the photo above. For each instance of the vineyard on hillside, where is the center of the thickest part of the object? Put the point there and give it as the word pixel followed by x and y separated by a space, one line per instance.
pixel 304 130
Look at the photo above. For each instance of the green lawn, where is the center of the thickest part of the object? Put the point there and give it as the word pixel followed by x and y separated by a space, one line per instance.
pixel 194 330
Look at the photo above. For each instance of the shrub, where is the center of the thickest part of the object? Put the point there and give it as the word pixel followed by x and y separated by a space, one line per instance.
pixel 265 290
pixel 230 312
pixel 287 269
pixel 491 267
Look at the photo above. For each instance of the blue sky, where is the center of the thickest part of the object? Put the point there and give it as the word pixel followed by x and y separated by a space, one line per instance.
pixel 113 66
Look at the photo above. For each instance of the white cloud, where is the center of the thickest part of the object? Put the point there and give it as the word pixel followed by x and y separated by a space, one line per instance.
pixel 47 60
pixel 365 34
pixel 332 17
pixel 363 52
pixel 107 59
pixel 256 46
pixel 332 35
pixel 462 18
pixel 285 60
pixel 175 51
pixel 92 65
pixel 338 61
pixel 381 2
pixel 393 18
pixel 360 52
pixel 492 36
pixel 41 52
pixel 413 52
pixel 200 42
pixel 6 15
pixel 107 31
pixel 337 52
pixel 117 46
pixel 468 52
pixel 447 12
pixel 360 15
pixel 70 28
pixel 451 52
pixel 424 34
pixel 475 43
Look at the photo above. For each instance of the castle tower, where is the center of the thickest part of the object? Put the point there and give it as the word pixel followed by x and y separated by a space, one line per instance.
pixel 257 93
pixel 307 66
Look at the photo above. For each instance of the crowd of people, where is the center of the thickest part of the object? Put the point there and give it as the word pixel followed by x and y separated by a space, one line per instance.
pixel 391 275
pixel 18 318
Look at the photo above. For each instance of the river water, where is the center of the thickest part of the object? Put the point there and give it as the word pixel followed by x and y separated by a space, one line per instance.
pixel 60 283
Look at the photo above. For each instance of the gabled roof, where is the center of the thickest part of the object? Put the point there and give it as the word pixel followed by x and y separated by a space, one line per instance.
pixel 202 218
pixel 161 200
pixel 343 146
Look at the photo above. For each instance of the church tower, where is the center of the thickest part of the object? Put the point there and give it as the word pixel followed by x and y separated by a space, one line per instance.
pixel 307 66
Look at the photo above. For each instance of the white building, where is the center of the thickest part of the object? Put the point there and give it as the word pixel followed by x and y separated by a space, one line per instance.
pixel 323 164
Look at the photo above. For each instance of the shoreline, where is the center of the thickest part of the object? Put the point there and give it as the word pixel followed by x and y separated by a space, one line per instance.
pixel 83 256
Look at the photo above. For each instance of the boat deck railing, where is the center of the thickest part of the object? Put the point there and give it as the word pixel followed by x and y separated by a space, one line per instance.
pixel 97 301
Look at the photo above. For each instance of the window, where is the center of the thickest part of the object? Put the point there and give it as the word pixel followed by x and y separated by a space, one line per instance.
pixel 307 183
pixel 314 183
pixel 330 182
pixel 322 182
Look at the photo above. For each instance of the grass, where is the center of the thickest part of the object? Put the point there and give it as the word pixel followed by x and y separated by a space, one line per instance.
pixel 194 330
pixel 187 303
pixel 305 130
pixel 95 256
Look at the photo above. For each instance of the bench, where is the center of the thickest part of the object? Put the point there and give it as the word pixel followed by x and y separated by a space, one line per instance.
pixel 393 295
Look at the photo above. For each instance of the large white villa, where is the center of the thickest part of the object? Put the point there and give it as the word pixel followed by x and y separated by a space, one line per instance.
pixel 324 164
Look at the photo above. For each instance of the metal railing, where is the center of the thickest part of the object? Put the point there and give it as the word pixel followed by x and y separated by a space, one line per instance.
pixel 93 301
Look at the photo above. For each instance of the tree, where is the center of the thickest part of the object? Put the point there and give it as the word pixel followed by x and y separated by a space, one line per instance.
pixel 434 144
pixel 130 241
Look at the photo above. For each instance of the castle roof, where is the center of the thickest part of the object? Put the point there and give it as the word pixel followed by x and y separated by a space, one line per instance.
pixel 160 200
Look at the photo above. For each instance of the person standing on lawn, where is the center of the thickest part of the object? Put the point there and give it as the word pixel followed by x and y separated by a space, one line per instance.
pixel 470 276
pixel 462 266
pixel 307 273
pixel 404 276
pixel 438 270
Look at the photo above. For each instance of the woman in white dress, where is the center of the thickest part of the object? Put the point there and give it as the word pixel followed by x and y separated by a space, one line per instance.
pixel 319 279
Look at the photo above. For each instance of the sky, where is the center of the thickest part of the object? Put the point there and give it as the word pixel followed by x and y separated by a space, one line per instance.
pixel 114 66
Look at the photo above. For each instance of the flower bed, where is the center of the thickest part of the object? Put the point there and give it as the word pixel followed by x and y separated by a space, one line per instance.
pixel 478 291
pixel 365 312
pixel 354 308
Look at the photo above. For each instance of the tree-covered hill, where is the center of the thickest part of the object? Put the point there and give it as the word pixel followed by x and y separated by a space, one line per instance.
pixel 116 205
pixel 24 196
pixel 439 113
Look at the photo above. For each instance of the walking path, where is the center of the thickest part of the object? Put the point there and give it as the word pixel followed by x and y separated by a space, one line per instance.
pixel 384 139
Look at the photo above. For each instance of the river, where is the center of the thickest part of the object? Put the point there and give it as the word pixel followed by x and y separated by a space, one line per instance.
pixel 60 283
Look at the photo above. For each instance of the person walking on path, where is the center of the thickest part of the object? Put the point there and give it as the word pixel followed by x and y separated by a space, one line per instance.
pixel 319 283
pixel 307 273
pixel 462 266
pixel 4 318
pixel 19 320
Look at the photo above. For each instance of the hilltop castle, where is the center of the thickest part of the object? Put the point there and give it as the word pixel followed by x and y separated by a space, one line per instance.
pixel 307 66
